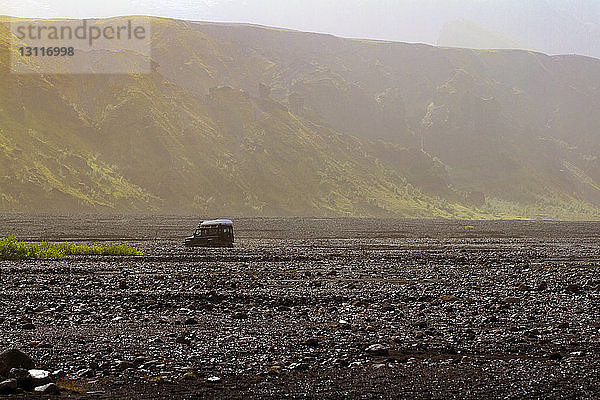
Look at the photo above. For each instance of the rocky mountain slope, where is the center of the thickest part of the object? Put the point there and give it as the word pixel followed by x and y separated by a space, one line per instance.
pixel 247 120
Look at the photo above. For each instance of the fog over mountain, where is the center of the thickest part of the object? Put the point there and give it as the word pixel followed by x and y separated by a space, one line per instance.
pixel 549 26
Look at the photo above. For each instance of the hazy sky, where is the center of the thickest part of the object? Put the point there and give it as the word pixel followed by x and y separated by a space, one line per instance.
pixel 548 25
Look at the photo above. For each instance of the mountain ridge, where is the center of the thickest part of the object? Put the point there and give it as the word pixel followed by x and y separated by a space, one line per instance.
pixel 243 120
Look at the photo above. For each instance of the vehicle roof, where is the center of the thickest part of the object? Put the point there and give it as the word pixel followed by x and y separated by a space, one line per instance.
pixel 217 222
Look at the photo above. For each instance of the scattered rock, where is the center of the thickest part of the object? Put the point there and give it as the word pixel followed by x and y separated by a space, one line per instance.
pixel 85 373
pixel 343 324
pixel 123 365
pixel 8 386
pixel 511 300
pixel 189 376
pixel 28 326
pixel 49 388
pixel 274 370
pixel 573 288
pixel 140 361
pixel 14 358
pixel 59 373
pixel 312 342
pixel 240 315
pixel 183 340
pixel 556 356
pixel 298 367
pixel 190 321
pixel 524 287
pixel 23 377
pixel 378 350
pixel 40 377
pixel 448 299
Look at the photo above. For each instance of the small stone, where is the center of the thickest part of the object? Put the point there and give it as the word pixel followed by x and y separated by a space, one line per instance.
pixel 378 350
pixel 59 373
pixel 274 370
pixel 190 376
pixel 183 340
pixel 86 373
pixel 573 288
pixel 140 361
pixel 123 365
pixel 398 339
pixel 556 356
pixel 343 324
pixel 511 300
pixel 542 286
pixel 240 315
pixel 14 358
pixel 49 388
pixel 312 342
pixel 8 386
pixel 123 285
pixel 28 326
pixel 342 362
pixel 191 321
pixel 524 288
pixel 532 333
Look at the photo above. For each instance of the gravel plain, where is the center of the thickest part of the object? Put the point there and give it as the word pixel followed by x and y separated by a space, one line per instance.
pixel 311 308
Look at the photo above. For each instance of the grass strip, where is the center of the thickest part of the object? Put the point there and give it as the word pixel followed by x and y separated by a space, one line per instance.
pixel 12 249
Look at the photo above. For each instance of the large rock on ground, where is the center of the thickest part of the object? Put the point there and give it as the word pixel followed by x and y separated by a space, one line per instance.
pixel 13 358
pixel 23 377
pixel 40 377
pixel 8 386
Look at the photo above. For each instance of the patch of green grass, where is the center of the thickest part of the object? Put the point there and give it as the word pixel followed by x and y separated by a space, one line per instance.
pixel 12 249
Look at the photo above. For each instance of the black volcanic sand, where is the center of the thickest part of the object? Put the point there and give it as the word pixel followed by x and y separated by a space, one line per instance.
pixel 502 310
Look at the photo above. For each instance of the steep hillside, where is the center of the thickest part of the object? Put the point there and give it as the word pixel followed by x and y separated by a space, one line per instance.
pixel 238 119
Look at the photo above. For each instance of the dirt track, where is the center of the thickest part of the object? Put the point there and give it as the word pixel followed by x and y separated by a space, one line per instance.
pixel 503 310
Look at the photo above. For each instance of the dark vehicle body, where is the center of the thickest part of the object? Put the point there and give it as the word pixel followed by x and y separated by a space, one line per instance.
pixel 216 233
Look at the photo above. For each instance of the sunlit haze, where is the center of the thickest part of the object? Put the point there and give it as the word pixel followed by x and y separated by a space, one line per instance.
pixel 550 26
